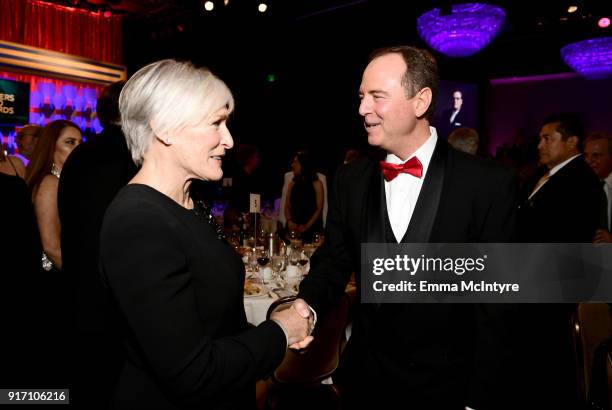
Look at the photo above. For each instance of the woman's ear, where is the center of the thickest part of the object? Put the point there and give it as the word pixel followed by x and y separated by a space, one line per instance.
pixel 422 101
pixel 162 137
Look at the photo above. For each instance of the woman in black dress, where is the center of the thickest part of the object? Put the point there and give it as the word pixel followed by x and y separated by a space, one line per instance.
pixel 304 204
pixel 178 286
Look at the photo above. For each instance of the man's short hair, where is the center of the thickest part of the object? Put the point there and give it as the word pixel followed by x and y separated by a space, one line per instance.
pixel 108 104
pixel 570 125
pixel 421 72
pixel 464 139
pixel 598 136
pixel 31 129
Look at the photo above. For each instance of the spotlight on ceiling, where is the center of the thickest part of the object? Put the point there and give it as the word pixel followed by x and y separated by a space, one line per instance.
pixel 209 5
pixel 262 7
pixel 572 9
pixel 604 22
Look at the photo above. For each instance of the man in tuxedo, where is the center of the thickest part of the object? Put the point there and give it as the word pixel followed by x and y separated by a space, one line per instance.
pixel 598 155
pixel 560 204
pixel 91 178
pixel 452 118
pixel 422 355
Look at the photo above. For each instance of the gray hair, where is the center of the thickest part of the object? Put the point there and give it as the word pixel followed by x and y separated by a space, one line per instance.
pixel 464 139
pixel 165 97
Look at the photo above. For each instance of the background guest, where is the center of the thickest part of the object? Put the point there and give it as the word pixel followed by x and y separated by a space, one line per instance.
pixel 304 204
pixel 57 141
pixel 92 176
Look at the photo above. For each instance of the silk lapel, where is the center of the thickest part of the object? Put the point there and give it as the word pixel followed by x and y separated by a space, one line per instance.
pixel 373 216
pixel 426 209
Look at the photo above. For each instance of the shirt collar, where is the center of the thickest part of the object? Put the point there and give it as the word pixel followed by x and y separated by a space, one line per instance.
pixel 423 153
pixel 608 180
pixel 557 167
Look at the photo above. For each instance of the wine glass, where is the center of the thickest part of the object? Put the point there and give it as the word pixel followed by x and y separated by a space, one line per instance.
pixel 303 260
pixel 263 259
pixel 278 264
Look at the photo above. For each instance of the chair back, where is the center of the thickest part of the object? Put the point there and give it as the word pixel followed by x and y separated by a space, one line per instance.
pixel 592 326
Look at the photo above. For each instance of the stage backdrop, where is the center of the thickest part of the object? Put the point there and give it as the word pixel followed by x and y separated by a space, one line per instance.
pixel 14 102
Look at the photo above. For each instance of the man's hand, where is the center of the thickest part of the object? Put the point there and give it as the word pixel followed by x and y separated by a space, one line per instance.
pixel 304 311
pixel 602 236
pixel 297 321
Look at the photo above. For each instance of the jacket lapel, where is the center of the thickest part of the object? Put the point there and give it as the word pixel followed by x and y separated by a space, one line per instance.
pixel 426 209
pixel 374 213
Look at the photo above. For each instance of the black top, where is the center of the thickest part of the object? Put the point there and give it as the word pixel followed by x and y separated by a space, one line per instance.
pixel 179 290
pixel 303 204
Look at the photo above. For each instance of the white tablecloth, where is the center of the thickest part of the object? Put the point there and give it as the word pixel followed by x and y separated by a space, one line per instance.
pixel 257 307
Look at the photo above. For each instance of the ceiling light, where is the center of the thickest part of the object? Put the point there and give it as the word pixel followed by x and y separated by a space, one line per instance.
pixel 604 22
pixel 262 7
pixel 572 9
pixel 461 30
pixel 590 58
pixel 209 5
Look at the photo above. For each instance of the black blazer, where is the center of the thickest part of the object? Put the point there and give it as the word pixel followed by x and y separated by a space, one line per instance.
pixel 179 291
pixel 438 355
pixel 565 209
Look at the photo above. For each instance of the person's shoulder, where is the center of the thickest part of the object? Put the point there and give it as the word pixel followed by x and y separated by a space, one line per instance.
pixel 482 169
pixel 16 161
pixel 48 182
pixel 9 183
pixel 135 203
pixel 47 189
pixel 356 169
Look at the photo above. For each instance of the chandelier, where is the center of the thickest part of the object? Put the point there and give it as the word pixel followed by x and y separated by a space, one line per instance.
pixel 590 58
pixel 461 30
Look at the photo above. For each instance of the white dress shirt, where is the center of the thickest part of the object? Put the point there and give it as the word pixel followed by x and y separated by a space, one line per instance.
pixel 403 191
pixel 607 187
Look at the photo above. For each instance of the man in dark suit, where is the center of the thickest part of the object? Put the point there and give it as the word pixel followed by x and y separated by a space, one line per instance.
pixel 422 355
pixel 452 118
pixel 90 180
pixel 560 204
pixel 598 155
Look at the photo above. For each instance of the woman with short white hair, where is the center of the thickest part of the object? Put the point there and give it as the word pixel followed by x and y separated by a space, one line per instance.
pixel 177 284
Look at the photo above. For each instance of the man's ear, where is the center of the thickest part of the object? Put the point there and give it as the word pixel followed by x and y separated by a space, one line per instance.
pixel 422 101
pixel 572 142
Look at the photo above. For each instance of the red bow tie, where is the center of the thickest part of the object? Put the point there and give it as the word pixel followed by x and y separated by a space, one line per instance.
pixel 413 167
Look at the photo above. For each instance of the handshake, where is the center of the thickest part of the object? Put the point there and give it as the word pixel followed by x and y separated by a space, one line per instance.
pixel 297 320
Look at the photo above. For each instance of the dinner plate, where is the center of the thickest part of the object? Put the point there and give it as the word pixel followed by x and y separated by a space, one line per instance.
pixel 252 290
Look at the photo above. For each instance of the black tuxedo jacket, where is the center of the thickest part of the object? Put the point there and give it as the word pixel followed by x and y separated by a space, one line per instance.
pixel 445 126
pixel 439 355
pixel 565 209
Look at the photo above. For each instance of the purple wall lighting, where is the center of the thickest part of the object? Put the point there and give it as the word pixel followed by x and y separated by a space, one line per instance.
pixel 461 31
pixel 590 58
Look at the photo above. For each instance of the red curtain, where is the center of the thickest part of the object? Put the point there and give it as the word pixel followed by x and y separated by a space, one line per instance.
pixel 65 29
